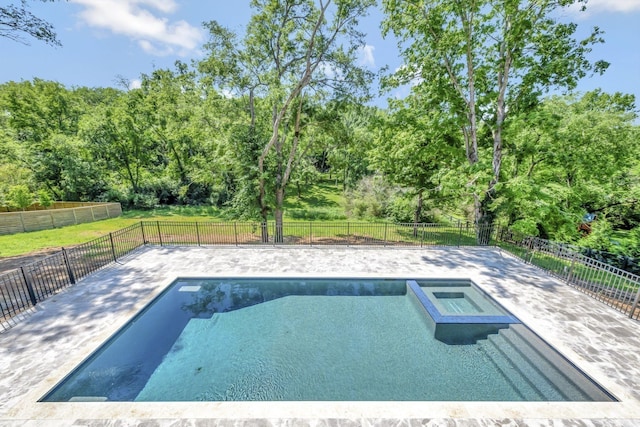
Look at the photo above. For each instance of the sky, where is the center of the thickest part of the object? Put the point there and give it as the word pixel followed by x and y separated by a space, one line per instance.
pixel 105 41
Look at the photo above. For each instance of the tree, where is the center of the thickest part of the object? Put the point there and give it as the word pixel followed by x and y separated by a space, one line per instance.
pixel 41 120
pixel 567 157
pixel 172 112
pixel 413 146
pixel 485 60
pixel 116 134
pixel 20 196
pixel 293 49
pixel 44 198
pixel 16 20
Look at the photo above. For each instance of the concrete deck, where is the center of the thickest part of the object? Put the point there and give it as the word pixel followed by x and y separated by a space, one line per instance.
pixel 59 333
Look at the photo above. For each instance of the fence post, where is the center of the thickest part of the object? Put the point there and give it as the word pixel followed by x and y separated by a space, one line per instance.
pixel 635 304
pixel 72 278
pixel 422 235
pixel 32 294
pixel 459 234
pixel 385 235
pixel 310 233
pixel 573 263
pixel 159 234
pixel 113 248
pixel 348 234
pixel 198 233
pixel 144 237
pixel 533 250
pixel 235 231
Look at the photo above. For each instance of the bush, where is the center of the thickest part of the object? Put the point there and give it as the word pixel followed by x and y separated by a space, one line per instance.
pixel 402 208
pixel 527 227
pixel 370 198
pixel 324 214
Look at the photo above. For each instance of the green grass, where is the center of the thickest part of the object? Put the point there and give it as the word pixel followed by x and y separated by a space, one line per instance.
pixel 24 243
pixel 322 201
pixel 322 205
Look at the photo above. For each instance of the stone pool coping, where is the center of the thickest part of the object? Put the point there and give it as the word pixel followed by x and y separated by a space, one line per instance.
pixel 58 334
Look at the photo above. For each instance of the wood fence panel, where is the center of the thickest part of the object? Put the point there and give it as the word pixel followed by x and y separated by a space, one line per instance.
pixel 72 213
pixel 10 224
pixel 84 215
pixel 37 220
pixel 63 217
pixel 100 212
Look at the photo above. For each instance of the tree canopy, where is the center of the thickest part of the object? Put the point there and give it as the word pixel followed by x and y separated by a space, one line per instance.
pixel 484 133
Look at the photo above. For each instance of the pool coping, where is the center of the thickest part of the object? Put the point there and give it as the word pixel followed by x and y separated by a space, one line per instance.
pixel 440 318
pixel 20 405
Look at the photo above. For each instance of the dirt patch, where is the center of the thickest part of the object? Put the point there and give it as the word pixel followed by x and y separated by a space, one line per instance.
pixel 13 262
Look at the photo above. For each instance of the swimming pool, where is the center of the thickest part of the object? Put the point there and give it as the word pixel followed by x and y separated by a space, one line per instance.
pixel 316 339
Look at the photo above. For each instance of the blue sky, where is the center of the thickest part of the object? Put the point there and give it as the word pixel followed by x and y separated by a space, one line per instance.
pixel 104 40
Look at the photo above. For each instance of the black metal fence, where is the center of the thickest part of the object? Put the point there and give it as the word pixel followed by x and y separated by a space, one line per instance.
pixel 25 287
pixel 611 285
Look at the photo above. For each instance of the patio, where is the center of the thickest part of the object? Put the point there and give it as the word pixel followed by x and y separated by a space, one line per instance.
pixel 60 332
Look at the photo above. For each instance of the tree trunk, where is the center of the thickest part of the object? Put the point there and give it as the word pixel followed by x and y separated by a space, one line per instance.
pixel 484 218
pixel 417 214
pixel 279 233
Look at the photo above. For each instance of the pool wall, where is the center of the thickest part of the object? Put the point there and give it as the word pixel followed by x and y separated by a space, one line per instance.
pixel 63 331
pixel 465 328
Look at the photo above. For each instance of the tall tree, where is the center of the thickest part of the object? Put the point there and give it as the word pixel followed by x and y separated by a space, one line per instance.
pixel 571 156
pixel 413 147
pixel 485 60
pixel 292 49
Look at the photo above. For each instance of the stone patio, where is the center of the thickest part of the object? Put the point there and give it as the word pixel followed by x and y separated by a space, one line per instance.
pixel 49 341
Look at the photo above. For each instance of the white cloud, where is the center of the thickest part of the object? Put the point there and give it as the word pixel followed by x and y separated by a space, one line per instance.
pixel 144 21
pixel 135 84
pixel 366 56
pixel 611 6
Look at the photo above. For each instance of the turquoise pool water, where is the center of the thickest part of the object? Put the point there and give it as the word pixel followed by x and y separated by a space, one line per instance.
pixel 312 340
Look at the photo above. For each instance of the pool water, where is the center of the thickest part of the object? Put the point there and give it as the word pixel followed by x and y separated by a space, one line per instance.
pixel 312 340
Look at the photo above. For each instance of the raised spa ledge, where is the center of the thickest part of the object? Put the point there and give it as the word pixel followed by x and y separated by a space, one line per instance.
pixel 463 328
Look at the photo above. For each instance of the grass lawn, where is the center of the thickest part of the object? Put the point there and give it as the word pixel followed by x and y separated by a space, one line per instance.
pixel 321 201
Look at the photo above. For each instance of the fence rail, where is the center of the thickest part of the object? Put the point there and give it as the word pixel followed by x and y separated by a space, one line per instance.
pixel 613 286
pixel 25 287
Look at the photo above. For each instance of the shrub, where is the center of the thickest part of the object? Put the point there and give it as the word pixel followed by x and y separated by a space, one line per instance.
pixel 370 198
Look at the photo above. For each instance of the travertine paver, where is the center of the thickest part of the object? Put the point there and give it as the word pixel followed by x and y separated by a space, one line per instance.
pixel 51 340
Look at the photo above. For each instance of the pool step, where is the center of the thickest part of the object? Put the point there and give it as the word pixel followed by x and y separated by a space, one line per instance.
pixel 558 371
pixel 531 363
pixel 510 372
pixel 537 374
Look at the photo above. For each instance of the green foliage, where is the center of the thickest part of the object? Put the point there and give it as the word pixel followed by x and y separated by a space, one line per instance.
pixel 44 198
pixel 20 196
pixel 402 209
pixel 292 119
pixel 371 198
pixel 600 236
pixel 570 156
pixel 480 62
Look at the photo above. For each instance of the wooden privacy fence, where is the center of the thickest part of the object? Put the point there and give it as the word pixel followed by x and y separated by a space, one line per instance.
pixel 59 215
